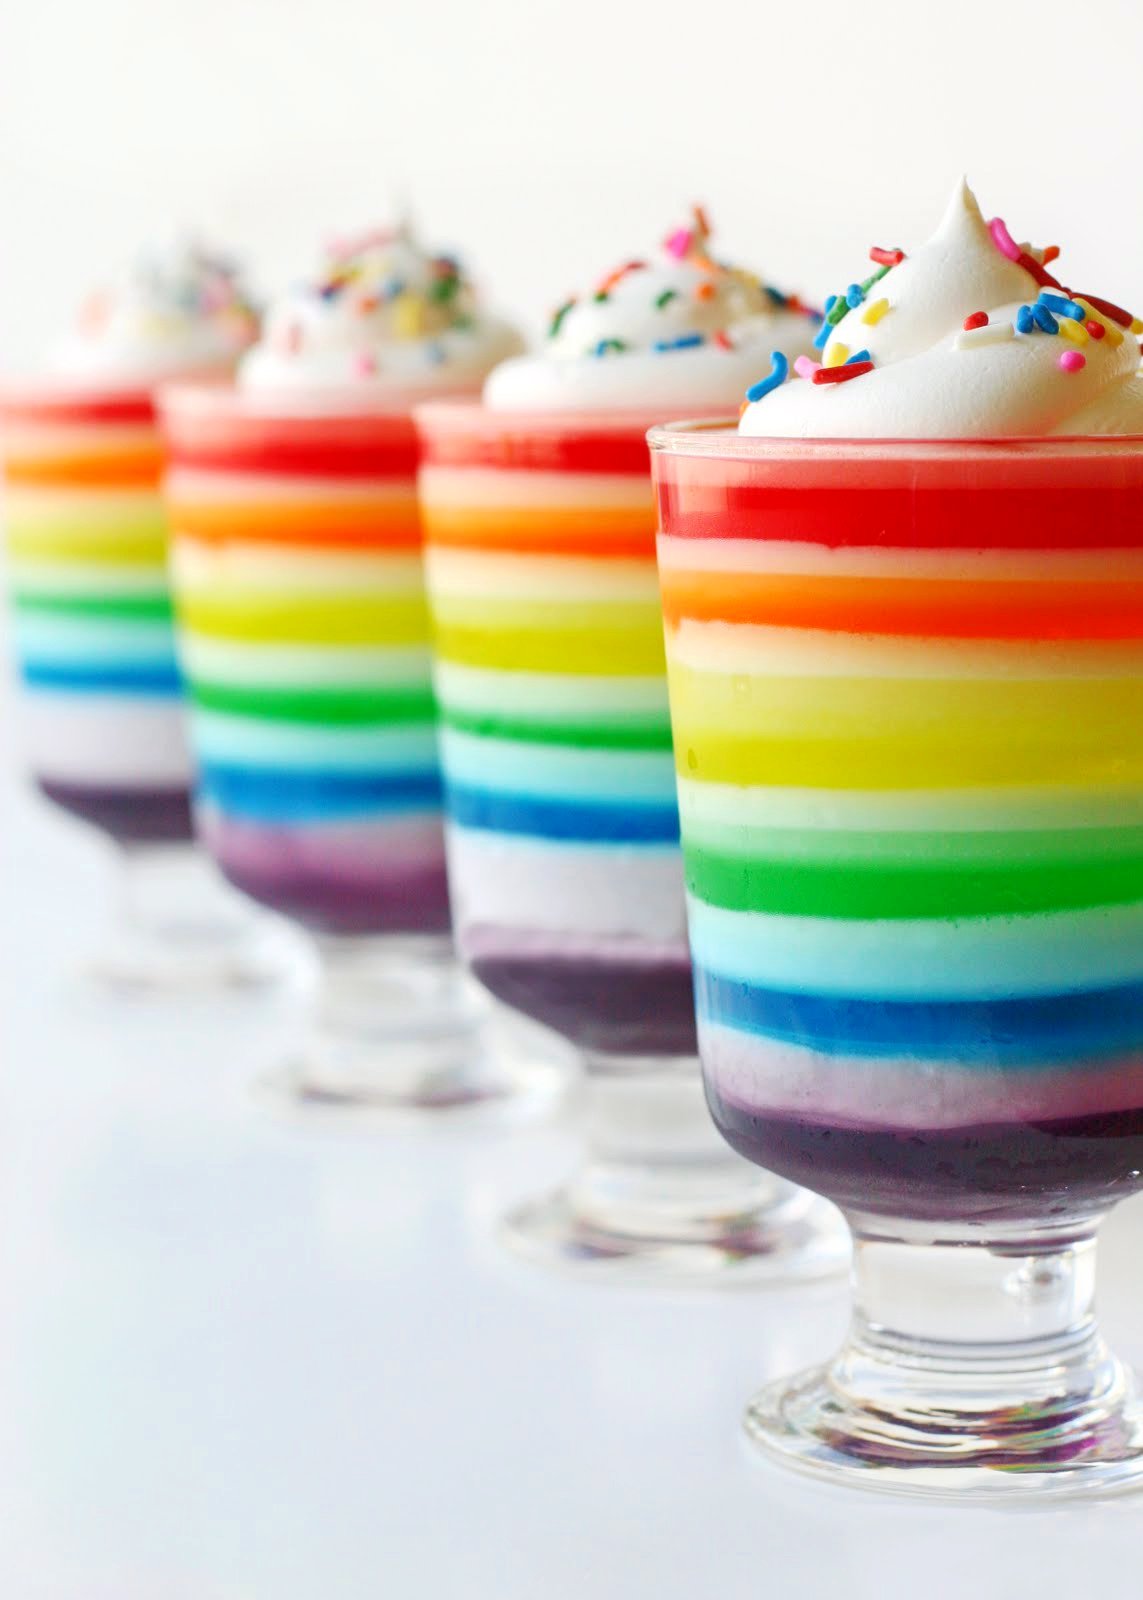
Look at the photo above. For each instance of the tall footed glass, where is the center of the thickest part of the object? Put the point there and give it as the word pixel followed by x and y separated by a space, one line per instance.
pixel 563 850
pixel 303 636
pixel 906 691
pixel 100 696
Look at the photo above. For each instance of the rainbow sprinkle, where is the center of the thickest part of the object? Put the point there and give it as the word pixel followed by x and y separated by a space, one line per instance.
pixel 779 371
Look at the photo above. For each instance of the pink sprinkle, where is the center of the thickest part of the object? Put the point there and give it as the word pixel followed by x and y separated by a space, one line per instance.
pixel 805 368
pixel 722 340
pixel 1003 240
pixel 678 243
pixel 365 364
pixel 1073 361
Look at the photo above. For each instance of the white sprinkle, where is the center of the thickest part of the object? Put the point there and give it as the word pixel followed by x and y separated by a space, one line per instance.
pixel 988 333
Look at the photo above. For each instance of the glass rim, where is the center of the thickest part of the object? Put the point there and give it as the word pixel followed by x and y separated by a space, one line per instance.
pixel 462 411
pixel 719 437
pixel 223 397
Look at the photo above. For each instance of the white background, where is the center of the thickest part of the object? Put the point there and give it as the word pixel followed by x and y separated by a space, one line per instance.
pixel 244 1360
pixel 550 139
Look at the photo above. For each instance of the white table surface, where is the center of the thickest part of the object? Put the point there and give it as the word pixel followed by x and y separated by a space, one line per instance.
pixel 243 1358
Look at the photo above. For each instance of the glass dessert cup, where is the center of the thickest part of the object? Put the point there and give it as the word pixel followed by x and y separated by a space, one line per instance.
pixel 906 683
pixel 100 694
pixel 303 631
pixel 562 834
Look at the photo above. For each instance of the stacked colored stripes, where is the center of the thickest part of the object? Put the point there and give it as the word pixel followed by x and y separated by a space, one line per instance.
pixel 556 749
pixel 908 714
pixel 304 639
pixel 87 561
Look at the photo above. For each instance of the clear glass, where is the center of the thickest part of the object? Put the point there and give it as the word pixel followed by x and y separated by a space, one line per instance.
pixel 303 635
pixel 564 863
pixel 906 682
pixel 100 696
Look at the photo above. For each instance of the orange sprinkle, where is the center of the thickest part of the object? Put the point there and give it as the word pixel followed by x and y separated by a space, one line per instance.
pixel 705 291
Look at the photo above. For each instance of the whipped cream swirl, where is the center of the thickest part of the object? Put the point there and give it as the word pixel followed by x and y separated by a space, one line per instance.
pixel 180 310
pixel 681 330
pixel 970 336
pixel 381 314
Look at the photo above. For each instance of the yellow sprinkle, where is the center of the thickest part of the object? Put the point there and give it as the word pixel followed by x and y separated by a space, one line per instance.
pixel 1073 330
pixel 874 311
pixel 408 316
pixel 1114 333
pixel 1137 324
pixel 837 355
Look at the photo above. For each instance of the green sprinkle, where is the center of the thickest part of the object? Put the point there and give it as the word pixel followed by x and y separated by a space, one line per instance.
pixel 666 297
pixel 558 319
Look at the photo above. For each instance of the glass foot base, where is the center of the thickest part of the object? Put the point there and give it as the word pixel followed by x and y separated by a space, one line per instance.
pixel 798 1239
pixel 1092 1446
pixel 199 958
pixel 398 1027
pixel 483 1078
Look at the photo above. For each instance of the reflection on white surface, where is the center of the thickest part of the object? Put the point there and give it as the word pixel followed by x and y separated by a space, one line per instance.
pixel 246 1358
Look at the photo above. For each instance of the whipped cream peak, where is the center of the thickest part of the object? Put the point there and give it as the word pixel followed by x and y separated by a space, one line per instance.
pixel 180 308
pixel 677 328
pixel 968 336
pixel 380 312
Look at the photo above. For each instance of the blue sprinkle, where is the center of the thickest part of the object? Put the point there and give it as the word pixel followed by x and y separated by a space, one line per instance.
pixel 1062 306
pixel 687 342
pixel 861 355
pixel 854 296
pixel 779 370
pixel 830 302
pixel 1024 322
pixel 821 338
pixel 394 287
pixel 1043 318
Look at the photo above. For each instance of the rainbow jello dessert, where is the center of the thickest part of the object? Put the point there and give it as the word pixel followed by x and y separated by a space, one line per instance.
pixel 302 618
pixel 555 740
pixel 86 542
pixel 905 650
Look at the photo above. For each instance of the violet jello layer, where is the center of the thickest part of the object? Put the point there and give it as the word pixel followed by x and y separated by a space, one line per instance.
pixel 133 816
pixel 601 999
pixel 907 699
pixel 304 637
pixel 101 706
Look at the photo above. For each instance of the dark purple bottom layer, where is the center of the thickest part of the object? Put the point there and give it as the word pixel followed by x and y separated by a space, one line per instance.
pixel 616 1008
pixel 416 902
pixel 133 816
pixel 1018 1172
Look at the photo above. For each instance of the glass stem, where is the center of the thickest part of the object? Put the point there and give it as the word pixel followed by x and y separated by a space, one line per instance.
pixel 654 1160
pixel 973 1333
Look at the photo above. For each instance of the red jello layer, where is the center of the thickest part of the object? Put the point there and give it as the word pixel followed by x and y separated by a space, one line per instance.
pixel 217 429
pixel 41 405
pixel 1048 495
pixel 467 434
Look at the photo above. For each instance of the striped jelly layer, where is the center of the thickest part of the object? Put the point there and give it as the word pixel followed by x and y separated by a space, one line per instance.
pixel 556 741
pixel 101 701
pixel 911 795
pixel 304 641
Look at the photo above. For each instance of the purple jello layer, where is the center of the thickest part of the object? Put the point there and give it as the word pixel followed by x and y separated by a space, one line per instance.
pixel 613 1006
pixel 133 816
pixel 348 879
pixel 1018 1171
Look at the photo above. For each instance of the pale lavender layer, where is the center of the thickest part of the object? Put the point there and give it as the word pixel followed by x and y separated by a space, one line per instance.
pixel 903 1093
pixel 361 877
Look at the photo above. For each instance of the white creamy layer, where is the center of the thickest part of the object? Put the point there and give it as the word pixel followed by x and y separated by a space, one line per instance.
pixel 179 310
pixel 577 889
pixel 932 378
pixel 679 332
pixel 382 316
pixel 107 741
